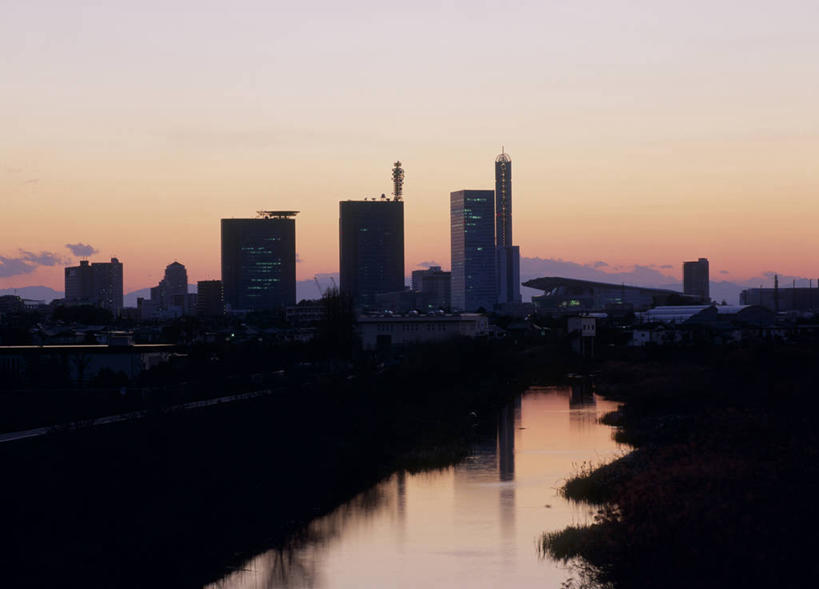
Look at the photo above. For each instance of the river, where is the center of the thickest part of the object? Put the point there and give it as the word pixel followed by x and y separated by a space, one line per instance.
pixel 476 524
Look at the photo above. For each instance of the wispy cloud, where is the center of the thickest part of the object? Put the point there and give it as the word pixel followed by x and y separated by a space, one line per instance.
pixel 427 264
pixel 81 249
pixel 27 262
pixel 636 274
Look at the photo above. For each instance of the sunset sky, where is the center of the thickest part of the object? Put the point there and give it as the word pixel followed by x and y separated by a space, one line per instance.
pixel 641 132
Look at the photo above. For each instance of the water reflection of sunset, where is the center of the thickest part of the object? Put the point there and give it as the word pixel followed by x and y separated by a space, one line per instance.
pixel 475 524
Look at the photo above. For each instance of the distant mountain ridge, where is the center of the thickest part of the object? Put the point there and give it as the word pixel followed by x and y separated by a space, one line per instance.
pixel 636 275
pixel 37 293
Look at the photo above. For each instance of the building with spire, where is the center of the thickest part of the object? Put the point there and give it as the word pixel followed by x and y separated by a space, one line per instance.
pixel 371 244
pixel 507 254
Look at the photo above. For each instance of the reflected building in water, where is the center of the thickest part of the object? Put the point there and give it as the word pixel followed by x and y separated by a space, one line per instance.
pixel 506 442
pixel 508 424
pixel 583 390
pixel 456 526
pixel 582 399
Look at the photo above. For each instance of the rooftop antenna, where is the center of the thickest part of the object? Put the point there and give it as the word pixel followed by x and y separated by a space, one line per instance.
pixel 276 214
pixel 397 181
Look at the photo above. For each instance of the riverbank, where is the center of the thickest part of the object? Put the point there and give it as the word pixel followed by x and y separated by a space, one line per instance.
pixel 721 488
pixel 179 499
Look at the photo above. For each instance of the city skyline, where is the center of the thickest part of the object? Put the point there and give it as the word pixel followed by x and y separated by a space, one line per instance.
pixel 49 262
pixel 641 134
pixel 49 273
pixel 442 293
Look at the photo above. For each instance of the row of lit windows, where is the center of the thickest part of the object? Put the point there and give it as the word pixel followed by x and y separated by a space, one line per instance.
pixel 405 327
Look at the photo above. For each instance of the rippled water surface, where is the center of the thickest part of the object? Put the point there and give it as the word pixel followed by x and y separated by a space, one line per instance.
pixel 476 524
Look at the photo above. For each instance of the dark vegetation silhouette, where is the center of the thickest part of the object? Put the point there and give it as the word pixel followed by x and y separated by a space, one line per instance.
pixel 721 488
pixel 335 336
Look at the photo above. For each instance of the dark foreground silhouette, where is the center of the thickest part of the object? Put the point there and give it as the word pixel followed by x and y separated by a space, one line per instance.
pixel 179 499
pixel 721 489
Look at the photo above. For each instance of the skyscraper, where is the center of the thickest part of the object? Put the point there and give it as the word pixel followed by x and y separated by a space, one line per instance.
pixel 172 290
pixel 472 232
pixel 503 200
pixel 508 255
pixel 170 297
pixel 211 298
pixel 98 284
pixel 371 248
pixel 259 261
pixel 696 279
pixel 176 283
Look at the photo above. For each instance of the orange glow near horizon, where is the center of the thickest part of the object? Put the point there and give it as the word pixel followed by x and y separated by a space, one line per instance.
pixel 638 134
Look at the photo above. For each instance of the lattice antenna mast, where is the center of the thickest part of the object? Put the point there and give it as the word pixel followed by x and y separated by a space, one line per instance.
pixel 397 181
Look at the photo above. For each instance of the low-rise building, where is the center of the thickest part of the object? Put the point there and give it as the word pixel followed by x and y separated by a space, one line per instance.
pixel 435 286
pixel 11 304
pixel 570 295
pixel 78 364
pixel 584 325
pixel 394 330
pixel 582 331
pixel 709 315
pixel 782 299
pixel 716 324
pixel 305 314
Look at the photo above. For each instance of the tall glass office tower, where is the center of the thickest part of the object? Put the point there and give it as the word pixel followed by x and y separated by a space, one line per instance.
pixel 472 231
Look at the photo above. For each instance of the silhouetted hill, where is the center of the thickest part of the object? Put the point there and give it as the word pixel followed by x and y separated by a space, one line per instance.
pixel 34 292
pixel 130 298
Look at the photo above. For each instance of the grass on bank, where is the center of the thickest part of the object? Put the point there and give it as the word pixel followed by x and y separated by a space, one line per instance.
pixel 721 489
